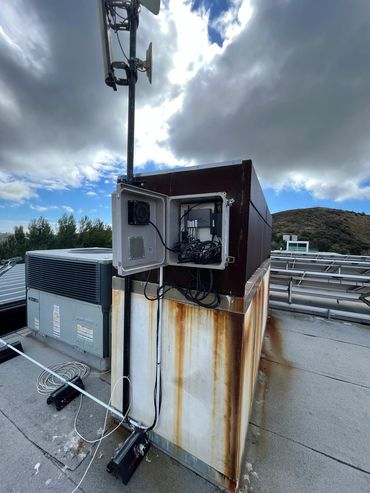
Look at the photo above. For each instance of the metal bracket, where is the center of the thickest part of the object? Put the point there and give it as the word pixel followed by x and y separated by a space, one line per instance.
pixel 7 353
pixel 126 461
pixel 65 393
pixel 364 297
pixel 230 260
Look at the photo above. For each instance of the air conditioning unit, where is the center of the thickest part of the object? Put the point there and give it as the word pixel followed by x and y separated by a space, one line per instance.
pixel 69 297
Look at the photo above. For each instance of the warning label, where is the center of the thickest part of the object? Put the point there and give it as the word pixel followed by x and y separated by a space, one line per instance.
pixel 85 332
pixel 36 323
pixel 56 321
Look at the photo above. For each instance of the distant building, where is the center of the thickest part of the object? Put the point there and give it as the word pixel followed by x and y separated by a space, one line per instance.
pixel 297 246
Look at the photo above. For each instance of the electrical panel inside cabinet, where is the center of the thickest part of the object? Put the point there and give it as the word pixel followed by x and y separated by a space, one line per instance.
pixel 197 230
pixel 150 230
pixel 200 233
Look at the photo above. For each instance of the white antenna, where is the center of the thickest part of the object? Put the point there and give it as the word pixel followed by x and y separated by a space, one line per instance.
pixel 149 62
pixel 106 46
pixel 152 5
pixel 147 65
pixel 113 22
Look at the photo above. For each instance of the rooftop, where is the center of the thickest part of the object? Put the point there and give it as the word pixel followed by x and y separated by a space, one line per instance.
pixel 12 286
pixel 310 428
pixel 40 450
pixel 309 431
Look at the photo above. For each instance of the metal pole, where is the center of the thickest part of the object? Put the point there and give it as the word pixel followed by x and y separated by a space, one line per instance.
pixel 133 23
pixel 159 350
pixel 126 397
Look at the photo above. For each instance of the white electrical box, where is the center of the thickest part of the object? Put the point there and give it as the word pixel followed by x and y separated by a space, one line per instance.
pixel 151 230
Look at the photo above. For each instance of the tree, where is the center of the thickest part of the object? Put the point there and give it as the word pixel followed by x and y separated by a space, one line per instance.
pixel 94 233
pixel 40 234
pixel 67 232
pixel 20 241
pixel 7 248
pixel 15 245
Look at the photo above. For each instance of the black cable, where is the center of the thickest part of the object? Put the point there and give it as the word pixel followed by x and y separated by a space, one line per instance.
pixel 187 212
pixel 200 252
pixel 157 410
pixel 161 238
pixel 119 15
pixel 186 292
pixel 120 45
pixel 159 294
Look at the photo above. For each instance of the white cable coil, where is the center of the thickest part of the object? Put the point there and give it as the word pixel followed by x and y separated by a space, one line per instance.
pixel 47 382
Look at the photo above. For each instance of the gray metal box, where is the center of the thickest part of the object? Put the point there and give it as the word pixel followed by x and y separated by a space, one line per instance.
pixel 139 248
pixel 69 295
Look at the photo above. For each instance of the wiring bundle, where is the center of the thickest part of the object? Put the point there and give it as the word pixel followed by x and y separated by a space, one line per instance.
pixel 191 249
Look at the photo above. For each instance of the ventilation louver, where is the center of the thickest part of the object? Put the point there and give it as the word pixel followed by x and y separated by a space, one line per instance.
pixel 77 280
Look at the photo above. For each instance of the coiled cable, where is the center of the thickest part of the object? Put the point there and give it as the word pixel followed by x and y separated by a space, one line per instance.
pixel 47 383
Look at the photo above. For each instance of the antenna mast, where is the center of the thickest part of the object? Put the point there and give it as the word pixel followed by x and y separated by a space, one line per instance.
pixel 112 21
pixel 132 78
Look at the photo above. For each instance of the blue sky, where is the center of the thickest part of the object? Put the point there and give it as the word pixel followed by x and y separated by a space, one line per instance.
pixel 280 83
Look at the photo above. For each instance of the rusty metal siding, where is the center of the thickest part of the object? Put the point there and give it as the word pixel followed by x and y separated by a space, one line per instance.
pixel 209 367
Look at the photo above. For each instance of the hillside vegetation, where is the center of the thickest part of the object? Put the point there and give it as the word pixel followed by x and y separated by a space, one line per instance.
pixel 327 230
pixel 67 234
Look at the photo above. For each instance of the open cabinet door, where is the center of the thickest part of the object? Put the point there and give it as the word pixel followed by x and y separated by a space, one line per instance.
pixel 138 223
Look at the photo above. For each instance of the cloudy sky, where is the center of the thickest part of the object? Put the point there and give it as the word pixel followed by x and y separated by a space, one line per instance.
pixel 283 82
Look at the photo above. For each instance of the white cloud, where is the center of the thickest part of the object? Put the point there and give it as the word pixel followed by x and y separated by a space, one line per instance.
pixel 289 88
pixel 29 47
pixel 39 208
pixel 68 209
pixel 15 190
pixel 91 193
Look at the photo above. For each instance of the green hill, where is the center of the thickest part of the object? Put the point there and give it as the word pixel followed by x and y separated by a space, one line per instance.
pixel 327 230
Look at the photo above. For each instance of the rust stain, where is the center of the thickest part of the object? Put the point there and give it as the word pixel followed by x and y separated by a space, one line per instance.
pixel 80 447
pixel 180 328
pixel 227 361
pixel 253 330
pixel 217 327
pixel 236 304
pixel 234 338
pixel 115 308
pixel 275 347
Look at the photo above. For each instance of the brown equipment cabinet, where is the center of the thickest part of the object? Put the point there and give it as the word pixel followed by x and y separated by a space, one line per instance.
pixel 250 224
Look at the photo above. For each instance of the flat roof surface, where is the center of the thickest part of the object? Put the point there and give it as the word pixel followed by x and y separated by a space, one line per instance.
pixel 310 428
pixel 309 431
pixel 13 286
pixel 40 451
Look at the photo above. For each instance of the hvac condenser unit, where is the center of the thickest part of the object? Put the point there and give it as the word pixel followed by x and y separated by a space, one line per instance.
pixel 69 296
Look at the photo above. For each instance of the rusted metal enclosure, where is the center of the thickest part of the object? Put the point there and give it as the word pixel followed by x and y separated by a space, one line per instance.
pixel 210 362
pixel 209 357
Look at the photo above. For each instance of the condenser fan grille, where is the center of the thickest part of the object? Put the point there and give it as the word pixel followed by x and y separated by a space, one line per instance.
pixel 77 280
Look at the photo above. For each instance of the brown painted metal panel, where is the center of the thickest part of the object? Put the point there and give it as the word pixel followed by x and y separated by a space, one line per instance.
pixel 256 196
pixel 240 182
